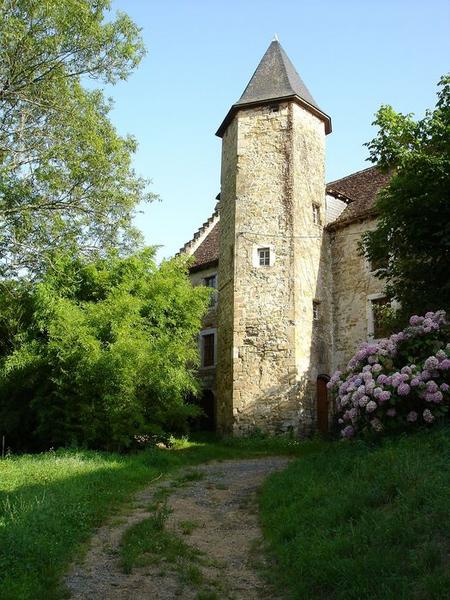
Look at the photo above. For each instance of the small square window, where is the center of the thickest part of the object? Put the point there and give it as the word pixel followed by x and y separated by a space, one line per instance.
pixel 316 310
pixel 264 257
pixel 316 214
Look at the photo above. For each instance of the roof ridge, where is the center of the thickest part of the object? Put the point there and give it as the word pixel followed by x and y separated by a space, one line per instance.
pixel 352 174
pixel 199 231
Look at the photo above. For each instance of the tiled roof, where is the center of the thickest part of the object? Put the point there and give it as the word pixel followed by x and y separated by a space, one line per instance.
pixel 208 251
pixel 359 189
pixel 275 77
pixel 274 80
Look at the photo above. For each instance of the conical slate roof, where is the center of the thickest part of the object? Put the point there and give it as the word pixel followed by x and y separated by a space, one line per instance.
pixel 275 78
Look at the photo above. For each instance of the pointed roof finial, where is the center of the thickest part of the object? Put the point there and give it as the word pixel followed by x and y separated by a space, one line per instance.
pixel 275 79
pixel 275 38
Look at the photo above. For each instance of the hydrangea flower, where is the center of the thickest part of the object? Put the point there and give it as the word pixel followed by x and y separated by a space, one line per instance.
pixel 432 386
pixel 377 374
pixel 384 396
pixel 371 406
pixel 403 389
pixel 431 363
pixel 348 431
pixel 425 375
pixel 427 416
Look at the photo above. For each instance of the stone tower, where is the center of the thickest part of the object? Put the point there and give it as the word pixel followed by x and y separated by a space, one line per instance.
pixel 274 311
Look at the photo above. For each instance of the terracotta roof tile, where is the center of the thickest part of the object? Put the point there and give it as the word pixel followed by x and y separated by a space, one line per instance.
pixel 361 188
pixel 208 251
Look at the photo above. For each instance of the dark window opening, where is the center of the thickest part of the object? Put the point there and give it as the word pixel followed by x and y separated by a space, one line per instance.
pixel 207 420
pixel 211 281
pixel 316 310
pixel 208 350
pixel 379 328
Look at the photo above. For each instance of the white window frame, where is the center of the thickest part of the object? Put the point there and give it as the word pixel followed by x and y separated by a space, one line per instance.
pixel 394 304
pixel 370 314
pixel 211 330
pixel 255 255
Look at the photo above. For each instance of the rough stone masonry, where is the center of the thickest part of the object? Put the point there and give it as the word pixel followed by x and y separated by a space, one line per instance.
pixel 294 296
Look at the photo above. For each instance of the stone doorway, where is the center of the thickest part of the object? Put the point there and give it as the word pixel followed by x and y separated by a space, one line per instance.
pixel 322 403
pixel 207 402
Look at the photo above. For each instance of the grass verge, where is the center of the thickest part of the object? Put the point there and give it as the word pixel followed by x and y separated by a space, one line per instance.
pixel 51 503
pixel 352 521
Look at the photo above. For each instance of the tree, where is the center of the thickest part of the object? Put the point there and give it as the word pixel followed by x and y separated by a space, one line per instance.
pixel 66 178
pixel 412 237
pixel 100 352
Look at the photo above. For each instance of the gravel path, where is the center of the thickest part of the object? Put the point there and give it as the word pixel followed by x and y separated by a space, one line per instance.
pixel 221 505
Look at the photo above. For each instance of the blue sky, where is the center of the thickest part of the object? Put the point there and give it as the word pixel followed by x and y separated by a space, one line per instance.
pixel 352 55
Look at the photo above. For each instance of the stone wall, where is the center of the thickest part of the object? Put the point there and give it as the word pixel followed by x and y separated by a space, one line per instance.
pixel 353 283
pixel 226 308
pixel 312 263
pixel 270 350
pixel 207 375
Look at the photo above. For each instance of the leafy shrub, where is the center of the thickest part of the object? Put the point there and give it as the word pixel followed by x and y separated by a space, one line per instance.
pixel 398 382
pixel 104 356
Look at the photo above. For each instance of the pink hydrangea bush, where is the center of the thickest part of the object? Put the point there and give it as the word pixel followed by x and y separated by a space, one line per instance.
pixel 398 382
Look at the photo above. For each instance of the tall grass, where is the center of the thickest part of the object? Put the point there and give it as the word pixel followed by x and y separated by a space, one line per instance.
pixel 51 503
pixel 357 522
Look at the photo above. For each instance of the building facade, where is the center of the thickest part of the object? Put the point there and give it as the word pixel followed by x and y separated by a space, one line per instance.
pixel 293 297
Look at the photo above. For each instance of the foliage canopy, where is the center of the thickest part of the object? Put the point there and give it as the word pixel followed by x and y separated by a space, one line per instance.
pixel 66 177
pixel 99 352
pixel 412 238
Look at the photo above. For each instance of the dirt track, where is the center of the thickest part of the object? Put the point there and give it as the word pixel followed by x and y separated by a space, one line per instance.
pixel 221 509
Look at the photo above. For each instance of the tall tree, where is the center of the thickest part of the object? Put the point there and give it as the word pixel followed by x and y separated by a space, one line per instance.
pixel 99 352
pixel 66 178
pixel 412 238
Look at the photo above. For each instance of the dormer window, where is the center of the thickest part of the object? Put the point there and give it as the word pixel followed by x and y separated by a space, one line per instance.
pixel 316 214
pixel 264 257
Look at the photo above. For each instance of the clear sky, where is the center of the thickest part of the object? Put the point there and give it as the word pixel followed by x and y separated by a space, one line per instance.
pixel 353 55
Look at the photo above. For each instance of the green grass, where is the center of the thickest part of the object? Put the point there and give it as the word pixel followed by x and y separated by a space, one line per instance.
pixel 187 527
pixel 352 521
pixel 150 543
pixel 51 503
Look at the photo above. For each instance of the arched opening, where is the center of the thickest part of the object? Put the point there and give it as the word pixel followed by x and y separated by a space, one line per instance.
pixel 322 403
pixel 207 402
